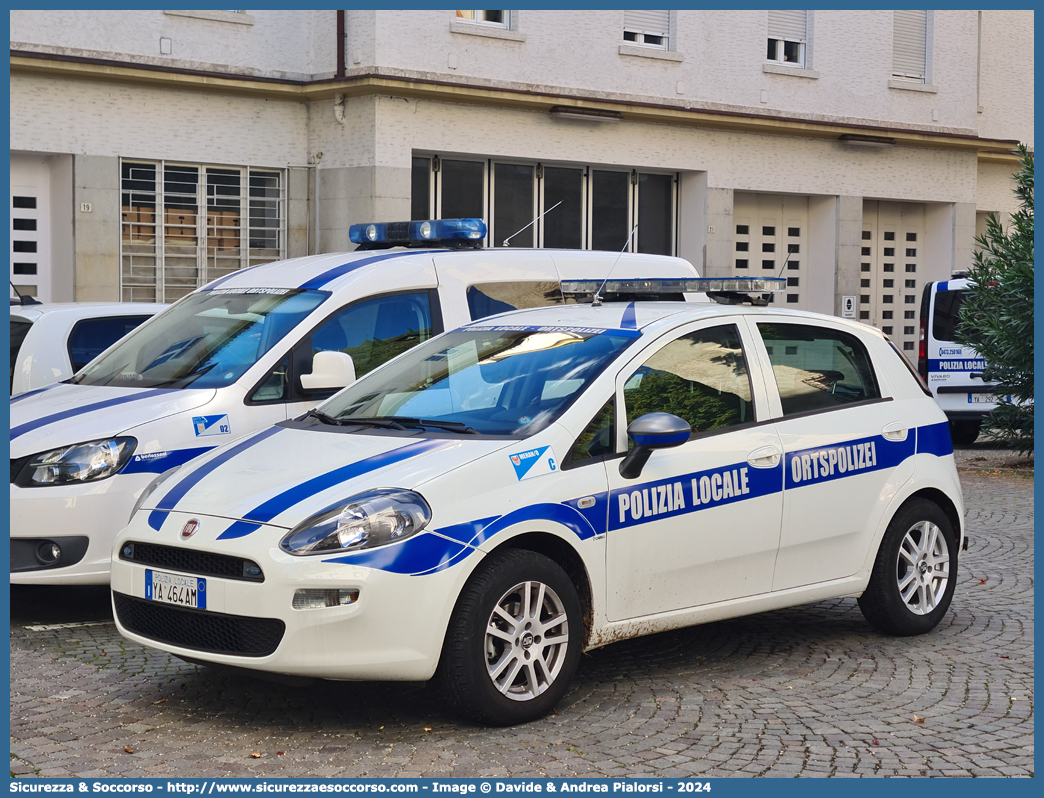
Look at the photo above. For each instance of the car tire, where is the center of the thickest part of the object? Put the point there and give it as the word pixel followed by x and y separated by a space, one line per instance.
pixel 497 663
pixel 965 433
pixel 915 571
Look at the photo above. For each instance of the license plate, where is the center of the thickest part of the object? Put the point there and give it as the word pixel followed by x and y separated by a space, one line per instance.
pixel 981 398
pixel 184 591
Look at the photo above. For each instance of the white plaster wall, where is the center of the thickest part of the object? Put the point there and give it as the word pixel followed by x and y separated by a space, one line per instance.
pixel 293 44
pixel 113 119
pixel 995 189
pixel 723 53
pixel 740 161
pixel 1006 76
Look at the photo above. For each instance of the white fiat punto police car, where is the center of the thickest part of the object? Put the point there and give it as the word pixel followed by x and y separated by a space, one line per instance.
pixel 247 350
pixel 504 496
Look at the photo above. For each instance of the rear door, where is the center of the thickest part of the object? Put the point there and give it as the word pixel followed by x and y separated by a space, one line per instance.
pixel 847 446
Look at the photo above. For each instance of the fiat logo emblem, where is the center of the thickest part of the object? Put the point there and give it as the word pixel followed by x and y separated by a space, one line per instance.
pixel 190 529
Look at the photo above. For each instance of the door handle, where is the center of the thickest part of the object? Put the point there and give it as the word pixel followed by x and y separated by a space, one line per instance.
pixel 765 457
pixel 896 431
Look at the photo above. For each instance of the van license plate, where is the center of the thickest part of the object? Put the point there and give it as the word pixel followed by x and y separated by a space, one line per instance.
pixel 184 591
pixel 981 399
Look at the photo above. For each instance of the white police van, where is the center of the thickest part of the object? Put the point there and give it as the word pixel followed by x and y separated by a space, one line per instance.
pixel 248 350
pixel 953 371
pixel 504 496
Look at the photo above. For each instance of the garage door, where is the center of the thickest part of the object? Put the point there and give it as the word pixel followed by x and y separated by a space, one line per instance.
pixel 889 270
pixel 770 240
pixel 30 235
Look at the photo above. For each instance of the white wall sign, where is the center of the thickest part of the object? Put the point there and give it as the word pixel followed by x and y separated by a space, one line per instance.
pixel 848 307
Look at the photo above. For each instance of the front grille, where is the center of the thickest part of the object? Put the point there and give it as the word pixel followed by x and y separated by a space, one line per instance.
pixel 190 561
pixel 199 630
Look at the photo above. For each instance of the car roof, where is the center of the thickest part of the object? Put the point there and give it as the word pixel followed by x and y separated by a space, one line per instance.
pixel 334 271
pixel 86 310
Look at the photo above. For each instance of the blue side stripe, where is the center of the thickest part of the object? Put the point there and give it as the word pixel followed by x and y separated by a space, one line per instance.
pixel 935 439
pixel 839 460
pixel 27 394
pixel 43 421
pixel 345 268
pixel 288 498
pixel 421 553
pixel 629 321
pixel 158 462
pixel 183 486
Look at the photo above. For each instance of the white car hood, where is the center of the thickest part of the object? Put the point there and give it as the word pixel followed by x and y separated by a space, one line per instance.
pixel 282 475
pixel 63 414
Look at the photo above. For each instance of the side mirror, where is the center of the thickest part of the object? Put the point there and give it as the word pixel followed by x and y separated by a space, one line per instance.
pixel 649 432
pixel 330 370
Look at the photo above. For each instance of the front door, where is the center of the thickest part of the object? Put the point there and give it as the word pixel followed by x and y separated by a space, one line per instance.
pixel 701 524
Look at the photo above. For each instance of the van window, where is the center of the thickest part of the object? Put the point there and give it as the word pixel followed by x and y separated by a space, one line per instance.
pixel 947 310
pixel 19 329
pixel 489 299
pixel 91 337
pixel 817 368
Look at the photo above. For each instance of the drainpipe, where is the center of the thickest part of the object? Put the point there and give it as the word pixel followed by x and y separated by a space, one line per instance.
pixel 340 44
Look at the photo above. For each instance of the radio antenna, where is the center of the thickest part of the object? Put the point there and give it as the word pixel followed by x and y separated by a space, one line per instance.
pixel 785 262
pixel 24 300
pixel 596 301
pixel 545 213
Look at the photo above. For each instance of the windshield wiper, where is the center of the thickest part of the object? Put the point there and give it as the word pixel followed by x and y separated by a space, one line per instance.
pixel 451 426
pixel 384 423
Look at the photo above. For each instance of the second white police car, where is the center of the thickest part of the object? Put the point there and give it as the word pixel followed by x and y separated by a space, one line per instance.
pixel 534 484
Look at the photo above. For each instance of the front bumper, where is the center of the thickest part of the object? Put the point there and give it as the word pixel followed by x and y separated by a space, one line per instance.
pixel 96 511
pixel 393 631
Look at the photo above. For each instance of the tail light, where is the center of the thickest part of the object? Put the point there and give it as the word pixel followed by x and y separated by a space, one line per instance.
pixel 922 349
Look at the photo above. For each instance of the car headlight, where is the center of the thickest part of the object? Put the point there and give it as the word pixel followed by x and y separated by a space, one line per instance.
pixel 152 489
pixel 81 462
pixel 365 521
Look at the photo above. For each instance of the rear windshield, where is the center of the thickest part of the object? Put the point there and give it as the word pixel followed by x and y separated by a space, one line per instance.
pixel 947 309
pixel 19 329
pixel 207 340
pixel 91 337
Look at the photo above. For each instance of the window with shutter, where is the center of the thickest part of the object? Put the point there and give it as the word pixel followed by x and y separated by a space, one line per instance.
pixel 787 35
pixel 651 28
pixel 909 44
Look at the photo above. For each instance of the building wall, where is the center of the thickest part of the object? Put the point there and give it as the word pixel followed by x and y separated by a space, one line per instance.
pixel 722 58
pixel 1006 75
pixel 297 45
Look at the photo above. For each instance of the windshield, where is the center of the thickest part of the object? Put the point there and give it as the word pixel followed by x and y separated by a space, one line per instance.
pixel 493 381
pixel 207 340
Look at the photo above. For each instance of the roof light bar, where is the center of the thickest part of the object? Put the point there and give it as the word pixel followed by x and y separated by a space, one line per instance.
pixel 446 231
pixel 701 285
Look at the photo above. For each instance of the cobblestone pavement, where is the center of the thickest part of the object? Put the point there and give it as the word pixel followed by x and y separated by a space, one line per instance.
pixel 809 691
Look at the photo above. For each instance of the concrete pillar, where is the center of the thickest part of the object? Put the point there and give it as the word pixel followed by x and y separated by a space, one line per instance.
pixel 300 216
pixel 692 219
pixel 96 179
pixel 963 235
pixel 63 255
pixel 940 221
pixel 849 241
pixel 719 245
pixel 821 258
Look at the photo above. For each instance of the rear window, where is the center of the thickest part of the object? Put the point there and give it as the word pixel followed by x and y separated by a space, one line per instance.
pixel 817 368
pixel 91 337
pixel 947 310
pixel 19 329
pixel 489 299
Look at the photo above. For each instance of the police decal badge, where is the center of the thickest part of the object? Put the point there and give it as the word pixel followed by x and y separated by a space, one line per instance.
pixel 534 463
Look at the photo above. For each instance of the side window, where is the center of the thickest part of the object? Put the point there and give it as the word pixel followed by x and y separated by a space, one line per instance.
pixel 598 438
pixel 817 368
pixel 91 337
pixel 489 299
pixel 947 311
pixel 701 377
pixel 19 329
pixel 375 331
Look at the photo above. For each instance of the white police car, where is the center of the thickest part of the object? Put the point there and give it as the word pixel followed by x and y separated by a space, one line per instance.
pixel 255 347
pixel 473 504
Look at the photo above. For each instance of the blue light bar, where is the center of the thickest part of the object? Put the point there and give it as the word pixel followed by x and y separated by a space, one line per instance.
pixel 674 285
pixel 431 231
